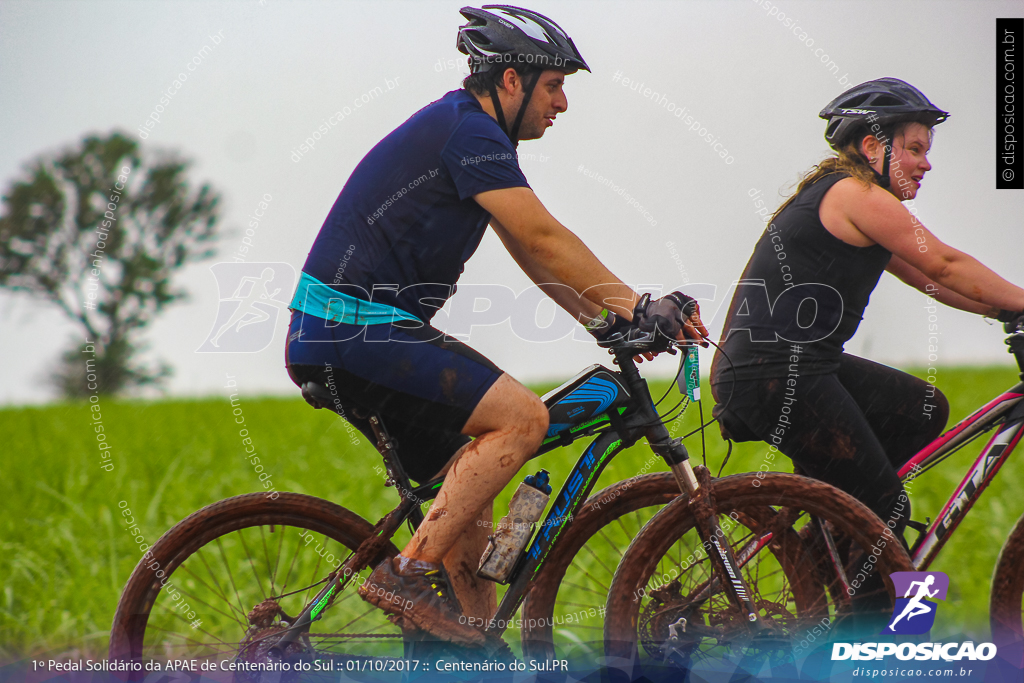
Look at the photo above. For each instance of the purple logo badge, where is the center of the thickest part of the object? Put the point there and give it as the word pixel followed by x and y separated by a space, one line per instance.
pixel 914 613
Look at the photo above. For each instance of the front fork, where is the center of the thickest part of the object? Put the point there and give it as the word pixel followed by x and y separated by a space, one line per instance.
pixel 697 485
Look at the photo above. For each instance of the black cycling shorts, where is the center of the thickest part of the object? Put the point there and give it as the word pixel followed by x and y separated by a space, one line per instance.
pixel 852 429
pixel 423 386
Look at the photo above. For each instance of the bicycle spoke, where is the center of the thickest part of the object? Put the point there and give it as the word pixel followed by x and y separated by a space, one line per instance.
pixel 200 629
pixel 178 634
pixel 295 556
pixel 220 591
pixel 584 588
pixel 612 543
pixel 200 601
pixel 277 558
pixel 369 611
pixel 248 556
pixel 231 576
pixel 266 556
pixel 316 569
pixel 597 558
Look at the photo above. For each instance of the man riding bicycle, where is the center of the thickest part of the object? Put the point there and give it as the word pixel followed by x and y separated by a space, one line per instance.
pixel 411 214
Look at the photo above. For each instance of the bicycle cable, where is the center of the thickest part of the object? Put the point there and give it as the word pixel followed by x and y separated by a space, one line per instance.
pixel 703 446
pixel 724 462
pixel 700 428
pixel 312 585
pixel 732 382
pixel 703 425
pixel 675 379
pixel 668 415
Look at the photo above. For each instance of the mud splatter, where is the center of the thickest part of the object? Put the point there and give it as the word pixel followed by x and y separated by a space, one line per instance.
pixel 449 383
pixel 421 545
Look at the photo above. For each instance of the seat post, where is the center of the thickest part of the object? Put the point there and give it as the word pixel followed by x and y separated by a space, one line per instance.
pixel 396 473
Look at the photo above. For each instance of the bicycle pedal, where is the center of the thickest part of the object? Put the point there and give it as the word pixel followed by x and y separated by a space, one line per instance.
pixel 919 527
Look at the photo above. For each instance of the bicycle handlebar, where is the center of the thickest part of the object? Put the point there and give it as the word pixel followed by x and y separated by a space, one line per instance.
pixel 635 342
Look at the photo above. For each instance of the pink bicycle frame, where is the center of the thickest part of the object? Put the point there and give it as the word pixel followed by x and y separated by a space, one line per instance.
pixel 991 458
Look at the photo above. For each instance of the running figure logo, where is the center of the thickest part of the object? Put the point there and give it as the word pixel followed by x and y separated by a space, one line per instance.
pixel 914 613
pixel 251 296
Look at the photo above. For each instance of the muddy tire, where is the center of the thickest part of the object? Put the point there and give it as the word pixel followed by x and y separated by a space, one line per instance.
pixel 625 507
pixel 225 560
pixel 784 576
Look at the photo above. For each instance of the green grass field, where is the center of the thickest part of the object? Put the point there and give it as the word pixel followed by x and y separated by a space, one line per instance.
pixel 66 554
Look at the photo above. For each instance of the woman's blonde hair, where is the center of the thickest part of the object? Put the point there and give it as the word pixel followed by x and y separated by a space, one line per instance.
pixel 848 160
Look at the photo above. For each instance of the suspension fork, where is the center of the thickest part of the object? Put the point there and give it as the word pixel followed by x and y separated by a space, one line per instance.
pixel 695 483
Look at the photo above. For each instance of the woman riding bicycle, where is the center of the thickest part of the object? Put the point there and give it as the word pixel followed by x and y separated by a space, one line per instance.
pixel 842 419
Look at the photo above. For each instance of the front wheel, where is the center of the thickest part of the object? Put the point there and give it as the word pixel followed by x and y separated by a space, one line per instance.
pixel 227 577
pixel 666 605
pixel 565 609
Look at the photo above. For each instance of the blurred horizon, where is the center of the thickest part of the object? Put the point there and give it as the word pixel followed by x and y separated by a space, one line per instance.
pixel 70 69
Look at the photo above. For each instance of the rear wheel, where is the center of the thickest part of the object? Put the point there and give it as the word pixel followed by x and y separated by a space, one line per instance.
pixel 227 577
pixel 666 606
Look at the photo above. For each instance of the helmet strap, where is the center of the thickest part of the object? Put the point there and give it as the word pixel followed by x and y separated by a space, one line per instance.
pixel 883 179
pixel 498 111
pixel 528 85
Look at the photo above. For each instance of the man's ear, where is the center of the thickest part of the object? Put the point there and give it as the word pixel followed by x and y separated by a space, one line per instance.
pixel 511 81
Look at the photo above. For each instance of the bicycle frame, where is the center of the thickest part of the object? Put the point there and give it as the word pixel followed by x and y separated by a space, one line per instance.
pixel 1007 410
pixel 615 434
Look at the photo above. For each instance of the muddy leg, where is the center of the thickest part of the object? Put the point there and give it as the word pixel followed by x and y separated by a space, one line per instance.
pixel 478 596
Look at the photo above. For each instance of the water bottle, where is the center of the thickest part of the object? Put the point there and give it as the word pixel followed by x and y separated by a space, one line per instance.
pixel 514 530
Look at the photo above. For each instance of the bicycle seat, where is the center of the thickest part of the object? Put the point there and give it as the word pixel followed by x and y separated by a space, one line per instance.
pixel 319 396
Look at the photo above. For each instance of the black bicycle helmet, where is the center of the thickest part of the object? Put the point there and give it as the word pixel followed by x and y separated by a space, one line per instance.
pixel 502 35
pixel 883 102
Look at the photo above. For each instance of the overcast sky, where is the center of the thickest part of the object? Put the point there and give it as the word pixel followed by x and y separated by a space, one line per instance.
pixel 281 68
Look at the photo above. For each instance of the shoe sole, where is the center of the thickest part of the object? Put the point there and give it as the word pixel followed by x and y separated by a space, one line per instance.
pixel 466 635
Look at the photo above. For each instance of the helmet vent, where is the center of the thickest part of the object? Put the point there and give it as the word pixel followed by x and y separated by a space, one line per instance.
pixel 478 37
pixel 887 101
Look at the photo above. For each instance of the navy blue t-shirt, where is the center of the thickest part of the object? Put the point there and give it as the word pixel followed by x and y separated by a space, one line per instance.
pixel 406 222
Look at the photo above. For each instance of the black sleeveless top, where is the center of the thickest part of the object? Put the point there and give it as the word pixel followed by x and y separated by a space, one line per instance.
pixel 802 287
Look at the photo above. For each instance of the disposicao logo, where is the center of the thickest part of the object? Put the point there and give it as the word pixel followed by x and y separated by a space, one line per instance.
pixel 914 614
pixel 251 295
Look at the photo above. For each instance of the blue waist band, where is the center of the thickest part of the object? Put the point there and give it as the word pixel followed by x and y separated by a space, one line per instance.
pixel 324 301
